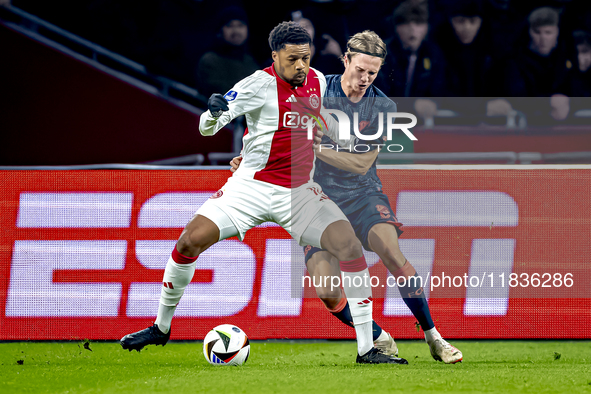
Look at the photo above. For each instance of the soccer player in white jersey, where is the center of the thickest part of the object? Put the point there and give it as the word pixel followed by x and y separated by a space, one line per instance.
pixel 272 184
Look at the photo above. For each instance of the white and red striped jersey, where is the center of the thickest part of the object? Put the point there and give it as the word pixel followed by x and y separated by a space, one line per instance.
pixel 275 146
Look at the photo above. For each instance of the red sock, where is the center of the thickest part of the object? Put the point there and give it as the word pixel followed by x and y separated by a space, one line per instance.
pixel 181 258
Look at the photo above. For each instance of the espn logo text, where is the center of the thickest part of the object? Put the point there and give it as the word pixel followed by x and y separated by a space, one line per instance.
pixel 82 277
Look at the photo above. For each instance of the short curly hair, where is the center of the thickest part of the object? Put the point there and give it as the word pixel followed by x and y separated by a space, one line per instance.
pixel 288 33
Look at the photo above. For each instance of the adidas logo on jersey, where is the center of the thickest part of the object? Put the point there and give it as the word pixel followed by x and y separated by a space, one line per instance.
pixel 291 99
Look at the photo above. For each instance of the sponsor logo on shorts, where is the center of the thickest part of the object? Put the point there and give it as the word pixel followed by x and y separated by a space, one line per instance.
pixel 317 191
pixel 217 194
pixel 384 211
pixel 308 248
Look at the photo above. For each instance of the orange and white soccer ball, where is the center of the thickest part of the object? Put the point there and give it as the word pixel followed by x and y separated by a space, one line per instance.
pixel 226 344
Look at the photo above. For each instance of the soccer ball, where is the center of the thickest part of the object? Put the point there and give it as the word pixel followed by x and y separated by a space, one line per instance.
pixel 226 345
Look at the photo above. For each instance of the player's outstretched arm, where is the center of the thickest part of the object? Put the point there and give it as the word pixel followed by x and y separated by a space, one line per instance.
pixel 216 106
pixel 352 162
pixel 248 95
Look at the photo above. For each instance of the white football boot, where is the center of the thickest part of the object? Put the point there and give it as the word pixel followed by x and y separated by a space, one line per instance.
pixel 387 346
pixel 441 350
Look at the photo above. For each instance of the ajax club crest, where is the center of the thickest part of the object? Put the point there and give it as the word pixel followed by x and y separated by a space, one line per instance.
pixel 314 101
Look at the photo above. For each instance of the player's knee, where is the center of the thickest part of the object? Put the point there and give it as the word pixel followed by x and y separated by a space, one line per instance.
pixel 349 250
pixel 193 243
pixel 186 247
pixel 340 240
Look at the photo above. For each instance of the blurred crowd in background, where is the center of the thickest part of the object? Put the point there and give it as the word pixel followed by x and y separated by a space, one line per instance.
pixel 436 48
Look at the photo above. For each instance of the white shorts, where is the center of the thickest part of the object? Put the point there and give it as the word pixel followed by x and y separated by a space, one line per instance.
pixel 241 204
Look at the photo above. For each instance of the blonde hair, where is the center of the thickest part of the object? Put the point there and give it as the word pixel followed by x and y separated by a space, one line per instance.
pixel 367 42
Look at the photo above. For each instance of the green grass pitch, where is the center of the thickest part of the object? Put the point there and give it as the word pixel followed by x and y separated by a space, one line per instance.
pixel 293 367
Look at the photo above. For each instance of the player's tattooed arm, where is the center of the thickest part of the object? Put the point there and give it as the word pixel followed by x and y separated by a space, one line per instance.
pixel 352 162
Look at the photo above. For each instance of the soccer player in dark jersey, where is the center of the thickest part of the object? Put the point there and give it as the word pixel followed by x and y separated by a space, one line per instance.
pixel 351 181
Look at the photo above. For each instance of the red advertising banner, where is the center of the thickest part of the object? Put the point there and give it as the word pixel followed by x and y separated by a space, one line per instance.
pixel 504 251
